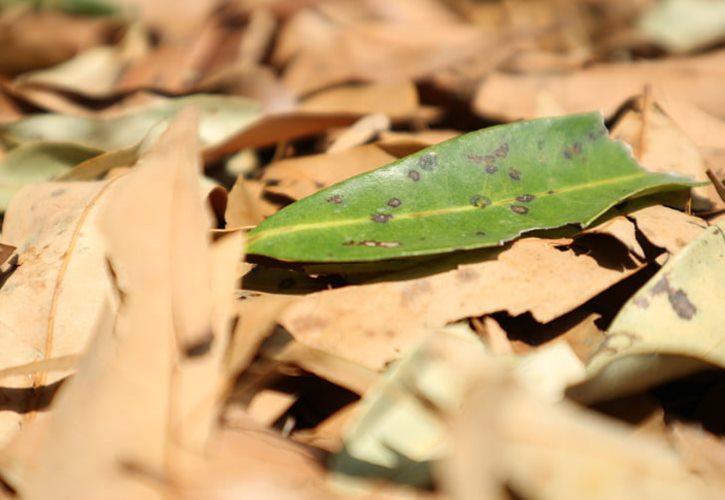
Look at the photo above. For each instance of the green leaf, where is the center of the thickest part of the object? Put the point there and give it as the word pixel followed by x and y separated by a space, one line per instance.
pixel 478 190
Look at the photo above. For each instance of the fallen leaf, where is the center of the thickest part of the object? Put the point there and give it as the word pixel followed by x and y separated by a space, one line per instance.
pixel 661 146
pixel 475 191
pixel 222 117
pixel 53 297
pixel 398 100
pixel 373 324
pixel 35 162
pixel 296 178
pixel 667 228
pixel 671 326
pixel 683 26
pixel 605 87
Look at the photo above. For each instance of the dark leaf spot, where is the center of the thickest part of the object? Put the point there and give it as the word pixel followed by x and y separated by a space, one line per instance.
pixel 480 233
pixel 272 182
pixel 491 169
pixel 480 201
pixel 681 304
pixel 572 151
pixel 373 244
pixel 319 185
pixel 551 191
pixel 514 174
pixel 525 198
pixel 677 297
pixel 414 175
pixel 428 161
pixel 394 202
pixel 502 150
pixel 337 199
pixel 518 209
pixel 382 218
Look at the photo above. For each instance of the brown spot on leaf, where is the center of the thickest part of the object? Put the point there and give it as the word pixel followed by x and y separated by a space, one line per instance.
pixel 551 191
pixel 681 304
pixel 414 175
pixel 526 198
pixel 428 161
pixel 480 201
pixel 519 209
pixel 502 151
pixel 514 174
pixel 677 297
pixel 480 233
pixel 373 243
pixel 394 202
pixel 491 169
pixel 572 151
pixel 381 218
pixel 337 199
pixel 272 182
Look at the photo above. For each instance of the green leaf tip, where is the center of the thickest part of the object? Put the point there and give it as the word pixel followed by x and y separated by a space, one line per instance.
pixel 478 190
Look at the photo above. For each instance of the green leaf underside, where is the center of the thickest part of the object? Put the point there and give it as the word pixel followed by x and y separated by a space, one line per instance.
pixel 478 190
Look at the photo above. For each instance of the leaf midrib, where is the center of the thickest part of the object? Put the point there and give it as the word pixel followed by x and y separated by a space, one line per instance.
pixel 441 211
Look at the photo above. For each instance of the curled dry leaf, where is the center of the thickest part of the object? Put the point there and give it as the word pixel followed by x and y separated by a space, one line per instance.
pixel 673 325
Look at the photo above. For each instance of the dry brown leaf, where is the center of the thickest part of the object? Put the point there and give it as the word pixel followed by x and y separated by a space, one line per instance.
pixel 201 378
pixel 702 451
pixel 252 462
pixel 52 300
pixel 661 146
pixel 361 132
pixel 134 387
pixel 398 100
pixel 623 230
pixel 298 177
pixel 94 72
pixel 606 87
pixel 246 206
pixel 279 127
pixel 378 51
pixel 400 144
pixel 372 324
pixel 257 319
pixel 667 228
pixel 33 38
pixel 507 435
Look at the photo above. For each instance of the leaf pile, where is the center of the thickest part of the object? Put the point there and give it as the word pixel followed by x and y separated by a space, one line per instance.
pixel 334 248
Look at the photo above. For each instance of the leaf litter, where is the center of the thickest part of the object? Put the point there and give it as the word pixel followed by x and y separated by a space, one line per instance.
pixel 152 347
